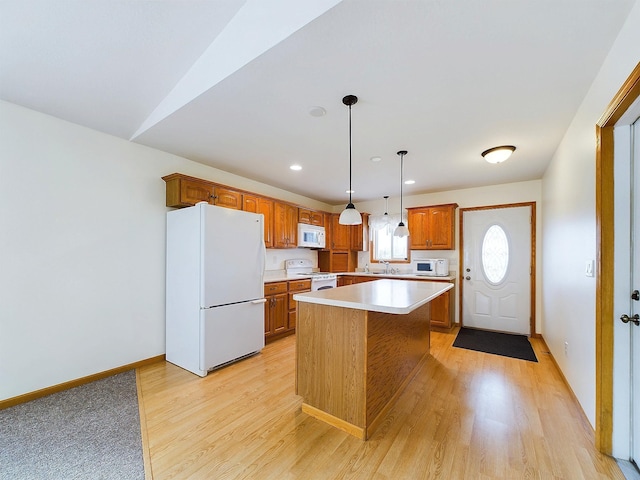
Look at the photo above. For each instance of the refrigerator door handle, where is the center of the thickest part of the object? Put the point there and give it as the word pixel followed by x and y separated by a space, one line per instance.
pixel 262 300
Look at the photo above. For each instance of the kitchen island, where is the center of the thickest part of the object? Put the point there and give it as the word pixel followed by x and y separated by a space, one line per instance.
pixel 358 346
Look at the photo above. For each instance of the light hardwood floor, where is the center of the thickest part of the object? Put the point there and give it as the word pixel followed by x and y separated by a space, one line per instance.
pixel 466 415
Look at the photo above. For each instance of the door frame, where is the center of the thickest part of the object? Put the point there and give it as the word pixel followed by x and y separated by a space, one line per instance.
pixel 532 276
pixel 605 225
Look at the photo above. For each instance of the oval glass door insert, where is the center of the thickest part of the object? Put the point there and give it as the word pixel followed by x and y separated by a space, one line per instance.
pixel 495 254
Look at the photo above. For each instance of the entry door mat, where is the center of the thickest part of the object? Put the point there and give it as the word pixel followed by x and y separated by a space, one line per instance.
pixel 87 432
pixel 505 344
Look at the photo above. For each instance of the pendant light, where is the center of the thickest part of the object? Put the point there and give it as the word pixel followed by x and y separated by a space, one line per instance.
pixel 350 216
pixel 386 210
pixel 401 229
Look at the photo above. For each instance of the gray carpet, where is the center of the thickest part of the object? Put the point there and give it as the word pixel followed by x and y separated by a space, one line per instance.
pixel 87 432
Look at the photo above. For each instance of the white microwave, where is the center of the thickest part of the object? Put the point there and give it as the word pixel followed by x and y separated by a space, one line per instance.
pixel 431 267
pixel 310 236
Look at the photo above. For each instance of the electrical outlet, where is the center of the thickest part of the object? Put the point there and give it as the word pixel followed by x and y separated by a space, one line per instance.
pixel 566 349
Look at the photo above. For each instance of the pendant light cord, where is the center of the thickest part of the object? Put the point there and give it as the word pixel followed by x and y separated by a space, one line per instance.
pixel 350 188
pixel 401 179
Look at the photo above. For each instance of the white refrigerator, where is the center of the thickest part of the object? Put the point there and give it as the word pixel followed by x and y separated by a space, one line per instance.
pixel 215 291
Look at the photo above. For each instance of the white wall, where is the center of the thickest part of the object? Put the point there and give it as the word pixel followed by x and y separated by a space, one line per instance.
pixel 471 197
pixel 569 228
pixel 82 248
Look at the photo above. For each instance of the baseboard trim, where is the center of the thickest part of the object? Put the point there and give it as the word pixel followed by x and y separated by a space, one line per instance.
pixel 27 397
pixel 585 419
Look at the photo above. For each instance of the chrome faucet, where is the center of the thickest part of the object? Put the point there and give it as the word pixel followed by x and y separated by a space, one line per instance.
pixel 386 266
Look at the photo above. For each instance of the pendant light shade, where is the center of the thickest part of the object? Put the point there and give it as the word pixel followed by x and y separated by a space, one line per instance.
pixel 350 216
pixel 401 230
pixel 386 210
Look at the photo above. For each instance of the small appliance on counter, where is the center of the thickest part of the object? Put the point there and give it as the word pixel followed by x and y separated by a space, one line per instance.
pixel 431 267
pixel 311 236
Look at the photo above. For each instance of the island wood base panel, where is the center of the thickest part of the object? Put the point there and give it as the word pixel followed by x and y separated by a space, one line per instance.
pixel 352 365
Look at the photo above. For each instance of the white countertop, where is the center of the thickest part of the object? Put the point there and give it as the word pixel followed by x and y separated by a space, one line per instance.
pixel 384 295
pixel 410 276
pixel 281 276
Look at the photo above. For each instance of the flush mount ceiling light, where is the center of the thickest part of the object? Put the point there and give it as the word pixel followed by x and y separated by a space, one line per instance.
pixel 401 230
pixel 295 167
pixel 350 216
pixel 498 154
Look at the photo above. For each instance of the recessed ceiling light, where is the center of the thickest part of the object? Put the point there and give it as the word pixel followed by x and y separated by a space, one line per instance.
pixel 498 154
pixel 295 167
pixel 317 111
pixel 376 159
pixel 409 182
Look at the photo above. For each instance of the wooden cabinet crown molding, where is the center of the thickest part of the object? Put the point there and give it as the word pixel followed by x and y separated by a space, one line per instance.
pixel 175 178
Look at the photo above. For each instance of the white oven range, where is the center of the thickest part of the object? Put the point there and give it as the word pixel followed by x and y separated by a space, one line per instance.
pixel 304 266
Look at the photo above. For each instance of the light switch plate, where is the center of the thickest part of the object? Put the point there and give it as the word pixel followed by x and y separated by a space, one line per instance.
pixel 588 270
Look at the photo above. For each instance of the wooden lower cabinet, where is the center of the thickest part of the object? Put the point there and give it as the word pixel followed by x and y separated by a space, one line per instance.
pixel 442 310
pixel 442 307
pixel 280 308
pixel 276 309
pixel 296 286
pixel 353 279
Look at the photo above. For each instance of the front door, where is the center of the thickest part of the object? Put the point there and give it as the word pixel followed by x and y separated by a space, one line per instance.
pixel 634 307
pixel 626 375
pixel 496 269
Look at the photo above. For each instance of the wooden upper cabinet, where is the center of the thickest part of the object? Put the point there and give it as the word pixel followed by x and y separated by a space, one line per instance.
pixel 360 235
pixel 340 234
pixel 328 237
pixel 256 204
pixel 285 225
pixel 432 228
pixel 310 217
pixel 225 197
pixel 183 191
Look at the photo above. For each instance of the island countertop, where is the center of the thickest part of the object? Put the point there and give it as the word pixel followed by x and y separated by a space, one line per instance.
pixel 385 295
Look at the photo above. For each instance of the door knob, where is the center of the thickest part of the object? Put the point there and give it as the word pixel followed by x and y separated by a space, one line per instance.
pixel 635 319
pixel 467 278
pixel 635 295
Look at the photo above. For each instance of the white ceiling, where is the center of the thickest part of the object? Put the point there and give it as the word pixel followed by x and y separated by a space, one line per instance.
pixel 230 83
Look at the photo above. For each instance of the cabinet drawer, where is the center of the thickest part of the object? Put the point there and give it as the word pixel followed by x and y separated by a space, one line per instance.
pixel 292 303
pixel 297 285
pixel 275 287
